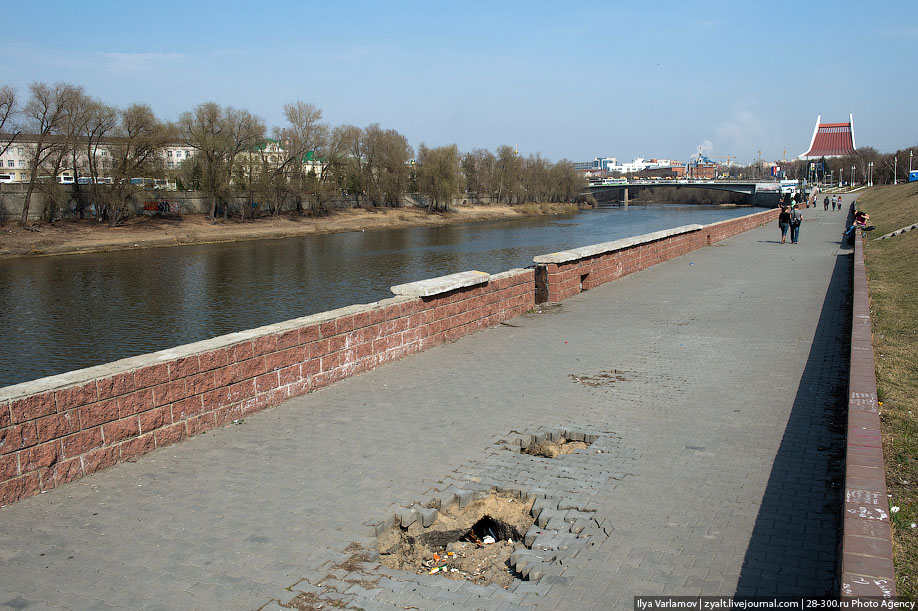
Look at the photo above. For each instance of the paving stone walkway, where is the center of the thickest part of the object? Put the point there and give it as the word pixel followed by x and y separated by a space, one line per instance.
pixel 713 385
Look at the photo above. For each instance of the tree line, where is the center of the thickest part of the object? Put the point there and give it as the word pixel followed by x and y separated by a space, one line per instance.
pixel 304 165
pixel 886 168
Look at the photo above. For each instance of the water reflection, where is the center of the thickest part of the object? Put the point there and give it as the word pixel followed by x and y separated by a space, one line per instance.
pixel 64 313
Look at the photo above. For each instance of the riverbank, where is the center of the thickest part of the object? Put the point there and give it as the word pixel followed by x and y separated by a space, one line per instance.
pixel 894 316
pixel 73 237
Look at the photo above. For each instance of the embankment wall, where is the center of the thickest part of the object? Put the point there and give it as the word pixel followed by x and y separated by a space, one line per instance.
pixel 565 274
pixel 57 429
pixel 866 554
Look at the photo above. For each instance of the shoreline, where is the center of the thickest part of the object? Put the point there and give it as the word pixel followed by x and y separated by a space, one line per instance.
pixel 73 237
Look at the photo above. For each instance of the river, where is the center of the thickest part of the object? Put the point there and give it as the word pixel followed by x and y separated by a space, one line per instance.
pixel 63 313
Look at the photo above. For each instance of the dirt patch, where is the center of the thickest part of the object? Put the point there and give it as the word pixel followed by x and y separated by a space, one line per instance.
pixel 603 378
pixel 545 308
pixel 473 543
pixel 553 449
pixel 309 601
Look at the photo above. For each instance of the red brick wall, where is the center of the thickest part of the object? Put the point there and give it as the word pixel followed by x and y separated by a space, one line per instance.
pixel 63 432
pixel 867 561
pixel 565 280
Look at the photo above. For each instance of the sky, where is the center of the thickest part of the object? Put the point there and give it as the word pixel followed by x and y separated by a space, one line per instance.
pixel 566 80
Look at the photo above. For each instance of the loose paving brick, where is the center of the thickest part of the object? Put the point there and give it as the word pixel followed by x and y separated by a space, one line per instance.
pixel 706 464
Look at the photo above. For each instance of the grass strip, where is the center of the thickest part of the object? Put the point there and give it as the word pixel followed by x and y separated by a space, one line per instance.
pixel 892 273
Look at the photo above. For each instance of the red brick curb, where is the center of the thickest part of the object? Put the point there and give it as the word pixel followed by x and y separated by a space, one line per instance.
pixel 866 562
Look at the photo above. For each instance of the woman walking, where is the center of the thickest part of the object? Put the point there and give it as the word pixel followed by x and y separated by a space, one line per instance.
pixel 783 222
pixel 795 219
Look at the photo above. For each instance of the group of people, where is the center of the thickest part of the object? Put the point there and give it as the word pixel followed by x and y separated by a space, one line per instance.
pixel 790 218
pixel 835 201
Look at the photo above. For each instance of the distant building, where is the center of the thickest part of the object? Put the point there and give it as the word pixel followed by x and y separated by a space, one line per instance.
pixel 831 140
pixel 600 164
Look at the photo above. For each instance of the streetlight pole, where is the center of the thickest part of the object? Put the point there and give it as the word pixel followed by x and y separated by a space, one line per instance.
pixel 895 170
pixel 841 177
pixel 852 176
pixel 870 174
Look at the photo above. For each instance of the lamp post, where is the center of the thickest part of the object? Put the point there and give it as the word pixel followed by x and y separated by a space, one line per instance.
pixel 870 174
pixel 895 169
pixel 841 177
pixel 910 163
pixel 852 176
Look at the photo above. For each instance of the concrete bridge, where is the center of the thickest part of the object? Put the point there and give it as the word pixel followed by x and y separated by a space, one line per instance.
pixel 765 194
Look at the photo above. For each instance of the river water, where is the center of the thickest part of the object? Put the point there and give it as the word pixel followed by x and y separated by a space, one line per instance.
pixel 63 313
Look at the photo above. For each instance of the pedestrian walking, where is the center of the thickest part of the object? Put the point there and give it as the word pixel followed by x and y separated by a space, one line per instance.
pixel 833 202
pixel 795 220
pixel 783 222
pixel 839 203
pixel 825 203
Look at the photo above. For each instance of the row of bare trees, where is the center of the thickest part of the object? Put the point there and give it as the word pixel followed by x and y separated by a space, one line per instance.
pixel 66 128
pixel 507 177
pixel 310 165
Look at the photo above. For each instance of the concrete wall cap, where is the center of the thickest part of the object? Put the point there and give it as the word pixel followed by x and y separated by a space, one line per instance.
pixel 592 250
pixel 443 284
pixel 81 376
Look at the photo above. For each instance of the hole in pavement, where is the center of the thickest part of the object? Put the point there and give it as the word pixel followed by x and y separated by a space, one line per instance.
pixel 603 378
pixel 547 448
pixel 472 543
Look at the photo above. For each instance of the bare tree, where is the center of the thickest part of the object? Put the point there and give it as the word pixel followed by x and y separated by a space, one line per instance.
pixel 101 121
pixel 219 135
pixel 439 175
pixel 65 153
pixel 569 184
pixel 44 113
pixel 356 161
pixel 508 174
pixel 389 178
pixel 8 111
pixel 331 157
pixel 301 138
pixel 138 137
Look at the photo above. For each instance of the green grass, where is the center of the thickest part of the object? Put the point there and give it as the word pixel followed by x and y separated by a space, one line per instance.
pixel 892 272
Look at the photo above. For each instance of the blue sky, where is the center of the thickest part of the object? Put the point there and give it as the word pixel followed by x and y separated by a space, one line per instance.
pixel 569 81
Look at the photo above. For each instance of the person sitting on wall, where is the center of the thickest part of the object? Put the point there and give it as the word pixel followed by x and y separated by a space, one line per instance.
pixel 860 220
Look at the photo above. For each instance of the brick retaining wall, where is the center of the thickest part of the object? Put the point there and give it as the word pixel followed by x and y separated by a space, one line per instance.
pixel 867 560
pixel 60 428
pixel 565 274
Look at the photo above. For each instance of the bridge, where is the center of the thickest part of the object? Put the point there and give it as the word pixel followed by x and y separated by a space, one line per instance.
pixel 766 194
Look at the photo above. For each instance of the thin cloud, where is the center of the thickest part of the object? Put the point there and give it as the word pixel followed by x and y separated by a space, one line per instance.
pixel 128 63
pixel 740 134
